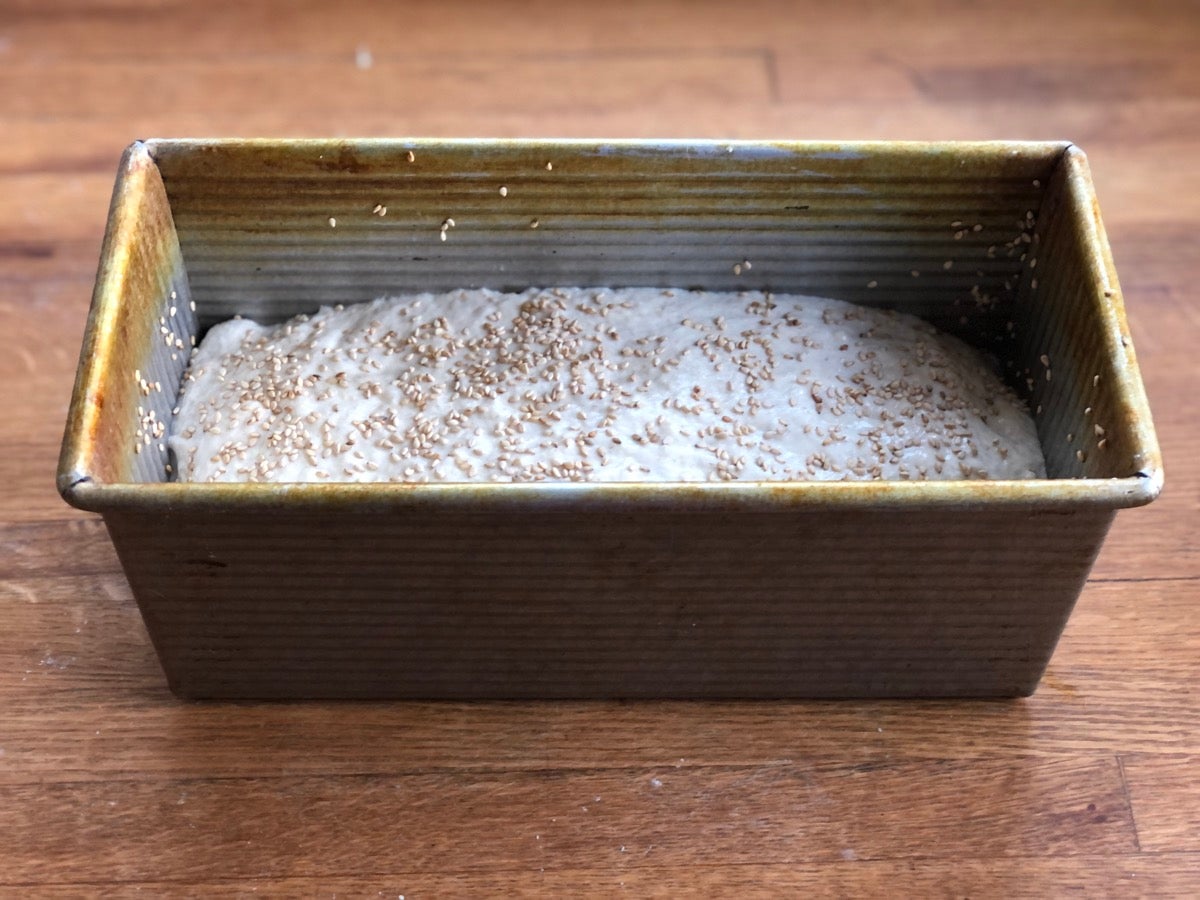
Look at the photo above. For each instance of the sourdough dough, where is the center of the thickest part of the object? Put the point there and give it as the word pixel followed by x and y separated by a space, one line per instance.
pixel 569 384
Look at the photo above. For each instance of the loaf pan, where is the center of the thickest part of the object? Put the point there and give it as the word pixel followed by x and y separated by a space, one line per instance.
pixel 866 589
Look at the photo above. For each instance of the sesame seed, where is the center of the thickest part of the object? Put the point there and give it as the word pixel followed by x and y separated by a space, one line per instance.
pixel 503 191
pixel 332 222
pixel 407 385
pixel 412 157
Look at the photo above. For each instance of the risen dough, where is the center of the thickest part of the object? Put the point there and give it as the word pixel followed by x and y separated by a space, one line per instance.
pixel 592 384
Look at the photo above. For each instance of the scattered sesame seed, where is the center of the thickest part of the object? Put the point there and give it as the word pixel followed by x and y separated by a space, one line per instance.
pixel 412 157
pixel 332 222
pixel 410 385
pixel 503 191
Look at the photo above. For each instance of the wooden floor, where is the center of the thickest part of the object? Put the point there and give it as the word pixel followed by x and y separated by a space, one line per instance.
pixel 109 786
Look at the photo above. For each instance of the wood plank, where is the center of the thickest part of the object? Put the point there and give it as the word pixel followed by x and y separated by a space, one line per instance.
pixel 50 143
pixel 26 264
pixel 41 212
pixel 86 641
pixel 1125 875
pixel 41 329
pixel 28 472
pixel 120 88
pixel 76 544
pixel 1164 791
pixel 547 819
pixel 1024 30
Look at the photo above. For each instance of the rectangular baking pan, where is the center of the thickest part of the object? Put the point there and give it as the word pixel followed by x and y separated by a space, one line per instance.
pixel 867 589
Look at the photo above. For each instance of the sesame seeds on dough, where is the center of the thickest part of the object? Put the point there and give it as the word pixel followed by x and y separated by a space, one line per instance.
pixel 570 384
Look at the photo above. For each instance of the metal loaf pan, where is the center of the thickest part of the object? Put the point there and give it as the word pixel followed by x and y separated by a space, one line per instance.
pixel 635 590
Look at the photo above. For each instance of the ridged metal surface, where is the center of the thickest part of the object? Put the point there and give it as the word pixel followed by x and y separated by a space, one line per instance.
pixel 830 589
pixel 141 290
pixel 647 604
pixel 820 219
pixel 1073 345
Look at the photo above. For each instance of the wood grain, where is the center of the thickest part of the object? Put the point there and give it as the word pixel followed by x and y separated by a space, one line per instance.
pixel 110 787
pixel 547 819
pixel 1165 790
pixel 1130 875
